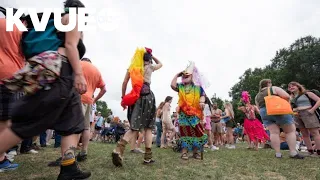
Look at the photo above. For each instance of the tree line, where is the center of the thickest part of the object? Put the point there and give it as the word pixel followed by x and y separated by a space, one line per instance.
pixel 299 62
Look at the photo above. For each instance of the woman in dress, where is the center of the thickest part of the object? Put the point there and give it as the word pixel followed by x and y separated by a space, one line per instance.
pixel 253 127
pixel 191 104
pixel 140 102
pixel 167 124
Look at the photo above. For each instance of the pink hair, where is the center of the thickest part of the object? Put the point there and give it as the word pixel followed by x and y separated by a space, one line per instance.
pixel 245 97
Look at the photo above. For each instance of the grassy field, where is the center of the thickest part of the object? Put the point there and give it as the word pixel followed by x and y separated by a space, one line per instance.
pixel 240 164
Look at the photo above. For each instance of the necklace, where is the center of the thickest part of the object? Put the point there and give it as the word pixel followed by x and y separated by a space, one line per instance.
pixel 188 89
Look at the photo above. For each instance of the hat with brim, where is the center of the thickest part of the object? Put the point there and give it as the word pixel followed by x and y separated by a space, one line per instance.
pixel 189 70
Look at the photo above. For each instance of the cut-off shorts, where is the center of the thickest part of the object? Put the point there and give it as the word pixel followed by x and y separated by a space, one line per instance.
pixel 275 119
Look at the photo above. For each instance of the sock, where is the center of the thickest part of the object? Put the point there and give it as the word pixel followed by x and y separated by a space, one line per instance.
pixel 68 160
pixel 148 154
pixel 278 155
pixel 293 153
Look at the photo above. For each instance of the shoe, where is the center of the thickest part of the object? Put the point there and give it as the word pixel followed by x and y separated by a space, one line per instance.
pixel 137 150
pixel 13 153
pixel 297 156
pixel 55 163
pixel 48 144
pixel 7 166
pixel 81 157
pixel 72 172
pixel 214 148
pixel 35 147
pixel 232 147
pixel 9 157
pixel 43 145
pixel 32 151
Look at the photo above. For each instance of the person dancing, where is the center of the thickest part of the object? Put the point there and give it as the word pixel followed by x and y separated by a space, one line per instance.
pixel 140 102
pixel 252 125
pixel 191 105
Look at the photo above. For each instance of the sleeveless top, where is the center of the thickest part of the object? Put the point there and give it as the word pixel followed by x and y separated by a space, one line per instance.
pixel 81 47
pixel 249 112
pixel 260 97
pixel 303 101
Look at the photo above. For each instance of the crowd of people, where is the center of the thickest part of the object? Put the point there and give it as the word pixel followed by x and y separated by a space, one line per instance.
pixel 50 94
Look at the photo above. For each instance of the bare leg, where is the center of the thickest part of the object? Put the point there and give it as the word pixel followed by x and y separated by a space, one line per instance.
pixel 275 138
pixel 290 131
pixel 8 140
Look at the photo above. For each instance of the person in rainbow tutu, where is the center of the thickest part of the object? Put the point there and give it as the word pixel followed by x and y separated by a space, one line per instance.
pixel 191 103
pixel 140 103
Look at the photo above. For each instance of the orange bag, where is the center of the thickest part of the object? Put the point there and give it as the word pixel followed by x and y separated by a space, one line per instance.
pixel 275 105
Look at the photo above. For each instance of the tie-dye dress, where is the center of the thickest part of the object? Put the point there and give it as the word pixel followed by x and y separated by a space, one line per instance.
pixel 190 114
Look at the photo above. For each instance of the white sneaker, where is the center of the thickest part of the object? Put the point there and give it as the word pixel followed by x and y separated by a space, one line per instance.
pixel 231 147
pixel 9 157
pixel 48 144
pixel 13 153
pixel 32 151
pixel 227 145
pixel 214 148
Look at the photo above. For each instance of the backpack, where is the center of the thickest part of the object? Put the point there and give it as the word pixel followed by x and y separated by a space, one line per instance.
pixel 34 43
pixel 316 92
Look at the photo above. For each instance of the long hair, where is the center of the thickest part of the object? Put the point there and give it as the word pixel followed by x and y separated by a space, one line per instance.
pixel 301 88
pixel 207 101
pixel 161 105
pixel 228 106
pixel 168 98
pixel 264 83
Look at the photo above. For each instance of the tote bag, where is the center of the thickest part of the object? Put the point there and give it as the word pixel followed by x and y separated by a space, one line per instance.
pixel 275 105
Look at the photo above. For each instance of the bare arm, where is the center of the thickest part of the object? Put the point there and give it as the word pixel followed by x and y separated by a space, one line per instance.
pixel 242 108
pixel 174 82
pixel 228 114
pixel 103 90
pixel 256 109
pixel 158 63
pixel 125 83
pixel 71 42
pixel 316 99
pixel 282 93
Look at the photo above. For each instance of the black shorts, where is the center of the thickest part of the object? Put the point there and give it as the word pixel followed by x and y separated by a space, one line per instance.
pixel 98 128
pixel 6 100
pixel 59 108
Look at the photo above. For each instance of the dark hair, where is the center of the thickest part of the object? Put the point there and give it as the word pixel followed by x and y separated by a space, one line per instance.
pixel 207 101
pixel 73 3
pixel 168 98
pixel 147 56
pixel 86 59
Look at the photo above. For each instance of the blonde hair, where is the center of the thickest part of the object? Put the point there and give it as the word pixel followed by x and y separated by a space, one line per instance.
pixel 264 83
pixel 228 106
pixel 301 88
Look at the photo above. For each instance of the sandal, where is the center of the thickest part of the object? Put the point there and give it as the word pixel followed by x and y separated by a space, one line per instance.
pixel 150 161
pixel 196 156
pixel 184 156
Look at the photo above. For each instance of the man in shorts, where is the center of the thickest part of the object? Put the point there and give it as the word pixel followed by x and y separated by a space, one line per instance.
pixel 94 80
pixel 11 60
pixel 216 126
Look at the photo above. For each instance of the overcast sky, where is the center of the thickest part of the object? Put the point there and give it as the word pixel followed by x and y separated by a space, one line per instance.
pixel 224 38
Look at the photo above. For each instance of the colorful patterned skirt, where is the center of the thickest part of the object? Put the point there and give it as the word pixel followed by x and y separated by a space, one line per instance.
pixel 191 132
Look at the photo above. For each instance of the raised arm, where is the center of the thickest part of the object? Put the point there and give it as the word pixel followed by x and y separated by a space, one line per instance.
pixel 158 63
pixel 125 83
pixel 174 82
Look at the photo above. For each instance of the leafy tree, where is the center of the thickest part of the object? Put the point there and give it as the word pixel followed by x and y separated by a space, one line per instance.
pixel 102 107
pixel 300 62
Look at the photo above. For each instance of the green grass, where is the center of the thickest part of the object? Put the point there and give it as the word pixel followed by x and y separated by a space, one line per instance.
pixel 240 164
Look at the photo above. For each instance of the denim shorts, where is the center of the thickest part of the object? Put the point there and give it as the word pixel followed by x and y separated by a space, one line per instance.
pixel 275 119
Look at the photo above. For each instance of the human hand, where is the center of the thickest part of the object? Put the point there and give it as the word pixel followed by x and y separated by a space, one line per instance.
pixel 80 84
pixel 180 74
pixel 311 111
